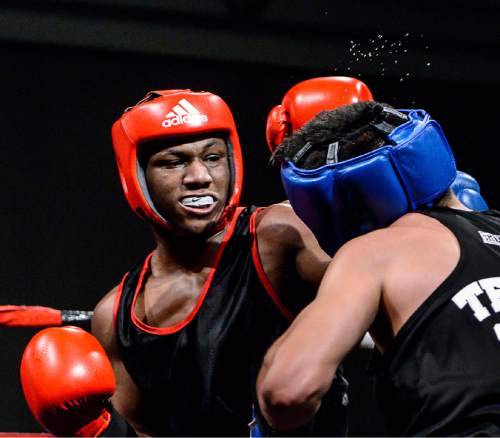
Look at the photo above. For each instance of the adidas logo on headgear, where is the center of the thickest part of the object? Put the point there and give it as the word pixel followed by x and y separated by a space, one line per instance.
pixel 184 112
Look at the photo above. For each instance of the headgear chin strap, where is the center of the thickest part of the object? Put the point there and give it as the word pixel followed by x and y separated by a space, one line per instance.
pixel 165 114
pixel 343 200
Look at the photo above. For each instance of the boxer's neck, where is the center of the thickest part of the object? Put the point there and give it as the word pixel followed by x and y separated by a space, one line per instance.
pixel 451 201
pixel 187 251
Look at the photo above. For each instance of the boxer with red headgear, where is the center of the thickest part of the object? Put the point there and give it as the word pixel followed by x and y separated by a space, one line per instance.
pixel 188 326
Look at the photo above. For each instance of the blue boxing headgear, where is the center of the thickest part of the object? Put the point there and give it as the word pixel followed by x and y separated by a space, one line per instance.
pixel 340 201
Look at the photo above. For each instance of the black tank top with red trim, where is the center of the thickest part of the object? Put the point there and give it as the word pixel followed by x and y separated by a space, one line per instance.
pixel 199 378
pixel 440 376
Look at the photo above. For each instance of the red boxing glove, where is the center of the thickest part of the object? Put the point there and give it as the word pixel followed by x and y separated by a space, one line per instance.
pixel 306 99
pixel 66 378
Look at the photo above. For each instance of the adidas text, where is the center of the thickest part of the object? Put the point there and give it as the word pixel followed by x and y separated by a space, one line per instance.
pixel 187 118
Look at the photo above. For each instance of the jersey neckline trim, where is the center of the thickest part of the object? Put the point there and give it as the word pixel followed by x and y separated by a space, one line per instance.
pixel 208 282
pixel 116 304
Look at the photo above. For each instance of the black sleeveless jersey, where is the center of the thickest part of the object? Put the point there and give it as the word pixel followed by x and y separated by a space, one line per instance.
pixel 198 376
pixel 441 374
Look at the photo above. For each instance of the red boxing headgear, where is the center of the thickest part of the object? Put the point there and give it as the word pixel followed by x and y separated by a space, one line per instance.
pixel 172 113
pixel 306 99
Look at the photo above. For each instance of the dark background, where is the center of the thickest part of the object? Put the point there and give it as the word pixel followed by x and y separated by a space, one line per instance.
pixel 68 68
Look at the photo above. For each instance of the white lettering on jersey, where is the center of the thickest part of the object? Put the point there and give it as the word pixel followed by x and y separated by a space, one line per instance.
pixel 468 295
pixel 491 239
pixel 492 288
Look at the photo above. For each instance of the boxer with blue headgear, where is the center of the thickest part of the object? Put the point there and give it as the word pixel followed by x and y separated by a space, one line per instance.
pixel 341 200
pixel 417 269
pixel 307 98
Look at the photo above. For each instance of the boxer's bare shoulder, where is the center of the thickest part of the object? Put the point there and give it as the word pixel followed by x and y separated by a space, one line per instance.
pixel 283 237
pixel 410 259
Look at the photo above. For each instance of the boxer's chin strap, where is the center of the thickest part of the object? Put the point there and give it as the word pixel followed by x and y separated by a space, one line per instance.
pixel 302 151
pixel 332 155
pixel 391 119
pixel 387 120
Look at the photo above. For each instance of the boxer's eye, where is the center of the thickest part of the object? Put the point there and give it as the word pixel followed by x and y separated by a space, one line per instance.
pixel 170 163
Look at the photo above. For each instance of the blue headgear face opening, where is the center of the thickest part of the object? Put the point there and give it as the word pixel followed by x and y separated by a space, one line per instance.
pixel 344 200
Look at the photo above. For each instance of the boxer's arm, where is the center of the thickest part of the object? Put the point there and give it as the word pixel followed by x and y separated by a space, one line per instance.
pixel 311 261
pixel 299 368
pixel 288 239
pixel 127 398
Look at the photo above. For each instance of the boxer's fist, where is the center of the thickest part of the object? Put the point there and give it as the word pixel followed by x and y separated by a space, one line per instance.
pixel 466 189
pixel 306 99
pixel 278 126
pixel 66 378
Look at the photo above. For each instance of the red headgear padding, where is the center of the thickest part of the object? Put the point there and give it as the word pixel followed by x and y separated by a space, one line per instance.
pixel 172 113
pixel 306 99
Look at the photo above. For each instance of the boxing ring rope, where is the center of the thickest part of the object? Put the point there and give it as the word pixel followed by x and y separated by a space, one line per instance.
pixel 16 434
pixel 41 317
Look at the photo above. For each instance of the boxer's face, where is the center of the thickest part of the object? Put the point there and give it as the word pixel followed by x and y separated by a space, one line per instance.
pixel 188 182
